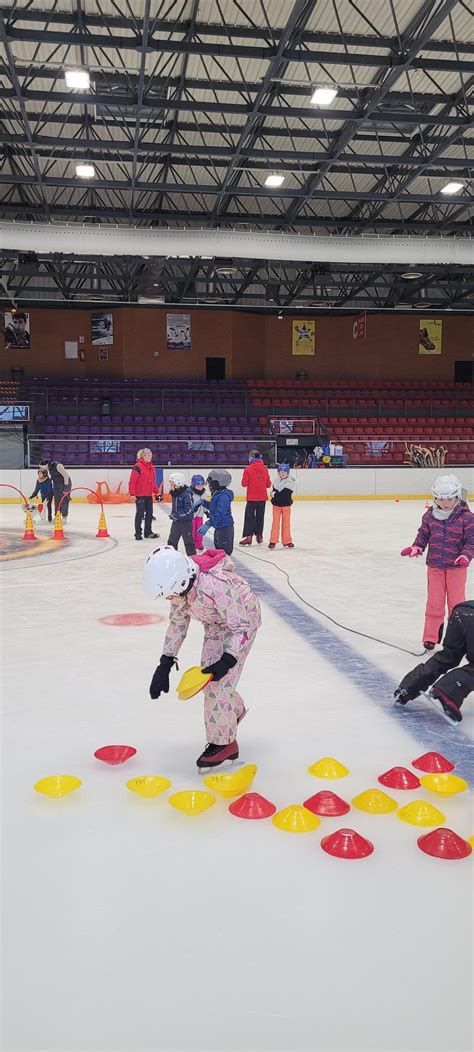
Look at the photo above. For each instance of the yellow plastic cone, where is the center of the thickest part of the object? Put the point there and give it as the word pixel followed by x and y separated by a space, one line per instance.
pixel 148 785
pixel 470 840
pixel 227 785
pixel 57 785
pixel 102 530
pixel 328 767
pixel 421 813
pixel 58 534
pixel 375 802
pixel 296 819
pixel 29 534
pixel 191 682
pixel 192 801
pixel 444 784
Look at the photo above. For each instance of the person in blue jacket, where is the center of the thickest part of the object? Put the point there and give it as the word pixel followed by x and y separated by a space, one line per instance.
pixel 44 489
pixel 182 513
pixel 218 507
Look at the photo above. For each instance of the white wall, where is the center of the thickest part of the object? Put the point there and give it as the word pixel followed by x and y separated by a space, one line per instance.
pixel 332 483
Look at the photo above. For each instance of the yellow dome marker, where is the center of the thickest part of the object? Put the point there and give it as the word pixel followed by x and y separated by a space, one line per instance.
pixel 375 802
pixel 470 840
pixel 296 819
pixel 191 682
pixel 227 785
pixel 148 785
pixel 192 801
pixel 444 784
pixel 57 785
pixel 421 813
pixel 328 767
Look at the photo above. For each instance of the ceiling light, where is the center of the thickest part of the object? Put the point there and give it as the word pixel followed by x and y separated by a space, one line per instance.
pixel 452 188
pixel 411 275
pixel 323 96
pixel 78 79
pixel 225 266
pixel 85 171
pixel 274 180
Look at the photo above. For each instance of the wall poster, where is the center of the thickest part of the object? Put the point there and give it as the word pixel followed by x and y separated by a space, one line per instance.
pixel 178 332
pixel 102 328
pixel 303 340
pixel 17 330
pixel 430 340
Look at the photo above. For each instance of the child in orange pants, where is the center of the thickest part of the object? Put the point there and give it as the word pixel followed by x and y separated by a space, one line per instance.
pixel 448 531
pixel 282 499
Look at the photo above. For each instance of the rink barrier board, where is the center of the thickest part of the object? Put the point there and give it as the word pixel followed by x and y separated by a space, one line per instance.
pixel 318 497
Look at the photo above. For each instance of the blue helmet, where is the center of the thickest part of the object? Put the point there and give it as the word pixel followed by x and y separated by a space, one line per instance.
pixel 197 480
pixel 285 468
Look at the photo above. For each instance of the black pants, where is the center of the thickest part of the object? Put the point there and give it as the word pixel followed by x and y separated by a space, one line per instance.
pixel 184 530
pixel 58 492
pixel 144 507
pixel 254 516
pixel 444 669
pixel 224 538
pixel 49 507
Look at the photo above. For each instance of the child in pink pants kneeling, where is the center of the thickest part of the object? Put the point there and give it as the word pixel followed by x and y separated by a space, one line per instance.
pixel 448 530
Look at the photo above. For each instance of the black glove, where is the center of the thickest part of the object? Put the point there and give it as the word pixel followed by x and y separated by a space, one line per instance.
pixel 160 683
pixel 222 667
pixel 402 696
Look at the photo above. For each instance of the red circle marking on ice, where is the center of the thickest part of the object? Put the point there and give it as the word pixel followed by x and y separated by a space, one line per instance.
pixel 131 619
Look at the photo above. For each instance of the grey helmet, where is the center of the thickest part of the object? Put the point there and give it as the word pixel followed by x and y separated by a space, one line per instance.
pixel 219 475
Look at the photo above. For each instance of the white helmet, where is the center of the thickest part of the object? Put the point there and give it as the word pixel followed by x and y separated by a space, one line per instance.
pixel 447 486
pixel 178 478
pixel 167 572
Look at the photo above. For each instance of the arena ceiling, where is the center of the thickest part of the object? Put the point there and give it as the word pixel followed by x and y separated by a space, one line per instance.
pixel 192 104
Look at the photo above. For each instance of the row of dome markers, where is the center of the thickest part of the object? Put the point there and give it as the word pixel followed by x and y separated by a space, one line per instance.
pixel 303 818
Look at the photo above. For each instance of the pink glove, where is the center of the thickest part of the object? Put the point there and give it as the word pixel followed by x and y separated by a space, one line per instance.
pixel 412 551
pixel 462 560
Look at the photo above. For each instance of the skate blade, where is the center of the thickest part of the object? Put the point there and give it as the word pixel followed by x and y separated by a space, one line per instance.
pixel 436 704
pixel 227 765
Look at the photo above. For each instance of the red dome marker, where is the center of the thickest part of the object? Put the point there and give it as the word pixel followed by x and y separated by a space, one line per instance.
pixel 252 805
pixel 399 778
pixel 444 843
pixel 327 804
pixel 115 754
pixel 346 843
pixel 433 763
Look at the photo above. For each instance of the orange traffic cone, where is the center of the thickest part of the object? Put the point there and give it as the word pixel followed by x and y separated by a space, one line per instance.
pixel 29 534
pixel 58 534
pixel 102 530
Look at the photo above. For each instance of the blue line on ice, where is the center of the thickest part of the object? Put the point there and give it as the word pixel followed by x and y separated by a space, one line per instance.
pixel 424 725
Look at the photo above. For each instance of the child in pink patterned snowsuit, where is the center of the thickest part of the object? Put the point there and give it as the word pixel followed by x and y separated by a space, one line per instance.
pixel 230 612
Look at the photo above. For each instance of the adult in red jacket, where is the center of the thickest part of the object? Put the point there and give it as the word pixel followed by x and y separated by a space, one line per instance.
pixel 256 480
pixel 142 486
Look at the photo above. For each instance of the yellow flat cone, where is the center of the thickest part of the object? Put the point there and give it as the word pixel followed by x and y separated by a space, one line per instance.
pixel 470 840
pixel 191 682
pixel 58 785
pixel 443 784
pixel 227 785
pixel 328 767
pixel 148 785
pixel 296 819
pixel 421 813
pixel 192 801
pixel 375 802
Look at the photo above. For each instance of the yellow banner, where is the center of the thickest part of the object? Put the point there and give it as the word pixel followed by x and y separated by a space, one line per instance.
pixel 303 338
pixel 430 336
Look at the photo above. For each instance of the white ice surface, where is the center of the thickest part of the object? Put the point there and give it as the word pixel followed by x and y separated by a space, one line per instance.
pixel 129 927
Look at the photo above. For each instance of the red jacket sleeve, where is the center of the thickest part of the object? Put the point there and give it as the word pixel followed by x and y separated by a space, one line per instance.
pixel 268 481
pixel 245 477
pixel 133 481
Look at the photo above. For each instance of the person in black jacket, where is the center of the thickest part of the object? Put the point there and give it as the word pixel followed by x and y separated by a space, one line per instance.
pixel 44 488
pixel 62 485
pixel 282 499
pixel 182 513
pixel 452 683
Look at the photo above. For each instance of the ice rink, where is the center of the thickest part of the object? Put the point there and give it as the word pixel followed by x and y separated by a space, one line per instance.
pixel 129 927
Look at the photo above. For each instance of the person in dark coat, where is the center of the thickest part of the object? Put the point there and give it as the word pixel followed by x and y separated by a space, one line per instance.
pixel 44 489
pixel 182 513
pixel 452 681
pixel 62 485
pixel 218 508
pixel 256 481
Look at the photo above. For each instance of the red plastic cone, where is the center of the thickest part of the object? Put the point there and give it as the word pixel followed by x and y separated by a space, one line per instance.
pixel 102 530
pixel 346 843
pixel 115 754
pixel 399 778
pixel 29 534
pixel 444 843
pixel 433 763
pixel 327 804
pixel 58 534
pixel 252 805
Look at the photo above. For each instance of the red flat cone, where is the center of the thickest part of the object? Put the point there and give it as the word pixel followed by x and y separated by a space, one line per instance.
pixel 399 778
pixel 252 805
pixel 433 763
pixel 346 843
pixel 444 843
pixel 328 804
pixel 115 754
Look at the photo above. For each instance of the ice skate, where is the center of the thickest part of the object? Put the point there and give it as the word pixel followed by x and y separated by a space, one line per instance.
pixel 443 705
pixel 246 540
pixel 218 758
pixel 259 538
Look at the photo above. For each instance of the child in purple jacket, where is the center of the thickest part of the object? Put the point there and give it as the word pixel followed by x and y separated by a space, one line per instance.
pixel 448 530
